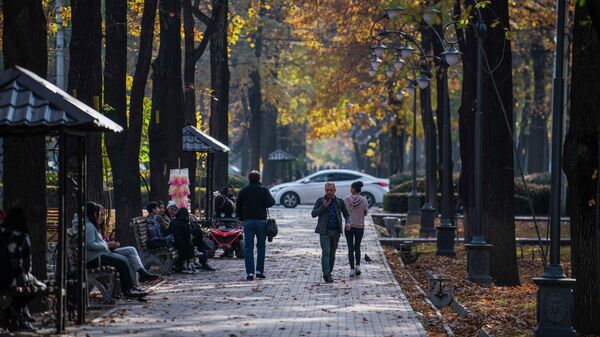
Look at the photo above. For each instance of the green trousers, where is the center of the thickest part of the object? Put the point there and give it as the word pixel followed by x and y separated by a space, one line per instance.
pixel 329 244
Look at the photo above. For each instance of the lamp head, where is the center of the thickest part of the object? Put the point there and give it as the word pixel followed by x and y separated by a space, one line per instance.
pixel 406 51
pixel 389 73
pixel 451 56
pixel 400 94
pixel 378 49
pixel 372 72
pixel 411 88
pixel 398 63
pixel 394 11
pixel 431 15
pixel 375 62
pixel 423 81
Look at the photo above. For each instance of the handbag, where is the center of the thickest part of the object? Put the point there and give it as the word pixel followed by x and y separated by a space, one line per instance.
pixel 272 229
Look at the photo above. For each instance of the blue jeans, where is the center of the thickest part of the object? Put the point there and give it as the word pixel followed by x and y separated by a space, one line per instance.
pixel 254 228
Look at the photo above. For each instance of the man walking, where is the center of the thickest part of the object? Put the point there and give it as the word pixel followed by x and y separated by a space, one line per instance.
pixel 252 203
pixel 329 209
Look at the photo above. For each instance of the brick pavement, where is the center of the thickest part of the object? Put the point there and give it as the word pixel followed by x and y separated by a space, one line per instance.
pixel 292 301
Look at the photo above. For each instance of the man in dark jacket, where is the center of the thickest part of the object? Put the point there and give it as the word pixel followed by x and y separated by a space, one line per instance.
pixel 329 209
pixel 252 203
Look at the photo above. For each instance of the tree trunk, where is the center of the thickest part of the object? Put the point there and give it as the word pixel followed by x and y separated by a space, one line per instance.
pixel 538 128
pixel 523 134
pixel 269 142
pixel 167 118
pixel 427 116
pixel 580 165
pixel 498 185
pixel 124 165
pixel 128 195
pixel 24 44
pixel 245 167
pixel 85 82
pixel 255 100
pixel 219 80
pixel 189 93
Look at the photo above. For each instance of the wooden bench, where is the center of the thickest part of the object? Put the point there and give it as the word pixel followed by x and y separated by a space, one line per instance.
pixel 164 258
pixel 103 278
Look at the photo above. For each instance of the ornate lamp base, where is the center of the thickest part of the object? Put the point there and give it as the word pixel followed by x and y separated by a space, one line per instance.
pixel 445 239
pixel 478 262
pixel 427 229
pixel 554 307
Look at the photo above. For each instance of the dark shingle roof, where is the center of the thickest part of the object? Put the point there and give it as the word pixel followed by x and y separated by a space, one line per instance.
pixel 195 140
pixel 30 103
pixel 280 155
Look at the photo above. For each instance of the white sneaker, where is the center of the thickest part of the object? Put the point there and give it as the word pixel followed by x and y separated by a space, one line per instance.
pixel 352 272
pixel 357 270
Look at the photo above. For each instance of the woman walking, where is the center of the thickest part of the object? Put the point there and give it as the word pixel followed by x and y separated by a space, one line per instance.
pixel 357 206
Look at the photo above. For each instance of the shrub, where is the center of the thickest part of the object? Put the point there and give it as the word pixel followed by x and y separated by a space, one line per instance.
pixel 400 178
pixel 398 202
pixel 238 181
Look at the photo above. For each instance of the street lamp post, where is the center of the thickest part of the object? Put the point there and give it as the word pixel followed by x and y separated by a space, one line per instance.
pixel 428 213
pixel 555 290
pixel 448 58
pixel 414 201
pixel 478 251
pixel 446 230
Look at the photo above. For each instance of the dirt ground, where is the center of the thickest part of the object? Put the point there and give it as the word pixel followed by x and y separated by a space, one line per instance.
pixel 502 311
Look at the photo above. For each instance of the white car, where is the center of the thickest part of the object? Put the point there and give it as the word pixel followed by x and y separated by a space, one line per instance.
pixel 307 190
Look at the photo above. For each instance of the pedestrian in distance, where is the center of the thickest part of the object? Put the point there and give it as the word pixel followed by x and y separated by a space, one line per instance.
pixel 357 206
pixel 329 209
pixel 252 203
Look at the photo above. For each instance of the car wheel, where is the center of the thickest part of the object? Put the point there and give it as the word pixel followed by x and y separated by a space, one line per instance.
pixel 290 200
pixel 370 198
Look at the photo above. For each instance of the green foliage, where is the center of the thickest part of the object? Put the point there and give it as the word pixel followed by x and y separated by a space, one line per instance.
pixel 398 202
pixel 144 148
pixel 399 178
pixel 397 199
pixel 237 181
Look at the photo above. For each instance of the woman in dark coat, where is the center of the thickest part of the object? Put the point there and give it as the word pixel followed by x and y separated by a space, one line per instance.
pixel 180 227
pixel 16 254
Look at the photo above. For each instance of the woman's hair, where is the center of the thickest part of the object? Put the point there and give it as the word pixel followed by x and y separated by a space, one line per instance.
pixel 16 220
pixel 357 186
pixel 182 214
pixel 91 211
pixel 151 205
pixel 161 203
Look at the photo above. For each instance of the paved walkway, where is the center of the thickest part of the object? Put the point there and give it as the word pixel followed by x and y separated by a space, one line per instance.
pixel 292 301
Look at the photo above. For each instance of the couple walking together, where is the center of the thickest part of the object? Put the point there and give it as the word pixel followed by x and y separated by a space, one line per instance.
pixel 254 200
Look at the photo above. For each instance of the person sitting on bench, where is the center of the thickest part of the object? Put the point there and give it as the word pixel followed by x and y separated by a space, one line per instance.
pixel 16 268
pixel 99 254
pixel 135 263
pixel 156 235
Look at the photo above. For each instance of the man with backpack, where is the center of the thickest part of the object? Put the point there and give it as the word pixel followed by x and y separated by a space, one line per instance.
pixel 252 203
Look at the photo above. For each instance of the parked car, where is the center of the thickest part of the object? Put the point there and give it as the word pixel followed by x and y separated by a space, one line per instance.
pixel 307 190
